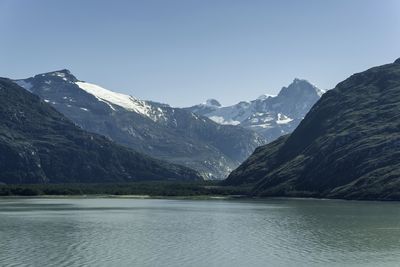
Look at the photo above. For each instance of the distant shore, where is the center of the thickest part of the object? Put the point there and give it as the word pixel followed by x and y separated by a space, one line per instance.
pixel 96 196
pixel 153 189
pixel 148 190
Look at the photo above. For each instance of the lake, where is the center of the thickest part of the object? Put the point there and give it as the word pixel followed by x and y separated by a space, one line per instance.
pixel 165 232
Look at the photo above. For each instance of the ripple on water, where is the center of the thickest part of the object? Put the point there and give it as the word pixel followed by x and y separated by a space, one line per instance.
pixel 114 232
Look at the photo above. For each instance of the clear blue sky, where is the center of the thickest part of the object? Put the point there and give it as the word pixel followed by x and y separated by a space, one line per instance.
pixel 184 51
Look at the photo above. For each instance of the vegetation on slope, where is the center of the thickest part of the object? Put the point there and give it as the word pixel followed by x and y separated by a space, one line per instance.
pixel 348 145
pixel 39 145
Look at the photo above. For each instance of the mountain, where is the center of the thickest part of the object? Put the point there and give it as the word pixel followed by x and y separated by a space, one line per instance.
pixel 347 146
pixel 205 108
pixel 155 129
pixel 40 145
pixel 271 116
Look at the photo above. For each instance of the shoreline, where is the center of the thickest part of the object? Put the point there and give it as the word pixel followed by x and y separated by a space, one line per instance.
pixel 198 197
pixel 104 196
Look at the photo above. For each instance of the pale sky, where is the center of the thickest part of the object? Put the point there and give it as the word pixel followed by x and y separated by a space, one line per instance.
pixel 182 52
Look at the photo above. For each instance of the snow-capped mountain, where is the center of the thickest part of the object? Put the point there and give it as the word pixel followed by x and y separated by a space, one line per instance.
pixel 40 145
pixel 269 115
pixel 158 130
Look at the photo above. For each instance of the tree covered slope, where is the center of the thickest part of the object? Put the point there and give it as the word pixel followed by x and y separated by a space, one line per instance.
pixel 348 145
pixel 39 145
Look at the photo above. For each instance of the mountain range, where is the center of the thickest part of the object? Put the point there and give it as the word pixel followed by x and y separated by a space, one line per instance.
pixel 270 116
pixel 347 146
pixel 40 145
pixel 158 130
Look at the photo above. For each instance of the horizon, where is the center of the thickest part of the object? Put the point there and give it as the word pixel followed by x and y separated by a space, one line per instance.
pixel 185 52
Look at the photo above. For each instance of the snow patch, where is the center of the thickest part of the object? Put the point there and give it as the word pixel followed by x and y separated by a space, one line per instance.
pixel 264 126
pixel 112 98
pixel 282 119
pixel 221 120
pixel 59 74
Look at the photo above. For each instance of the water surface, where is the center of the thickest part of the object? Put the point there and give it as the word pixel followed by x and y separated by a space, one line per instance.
pixel 149 232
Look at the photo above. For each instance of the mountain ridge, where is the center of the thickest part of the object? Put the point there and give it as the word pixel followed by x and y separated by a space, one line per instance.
pixel 270 116
pixel 156 129
pixel 346 146
pixel 39 145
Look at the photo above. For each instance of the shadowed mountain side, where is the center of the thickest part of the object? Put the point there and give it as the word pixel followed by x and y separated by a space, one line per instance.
pixel 39 145
pixel 348 145
pixel 155 129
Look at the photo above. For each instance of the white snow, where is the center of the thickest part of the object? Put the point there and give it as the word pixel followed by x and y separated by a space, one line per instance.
pixel 268 118
pixel 26 85
pixel 320 92
pixel 282 119
pixel 221 120
pixel 266 112
pixel 112 98
pixel 85 109
pixel 264 126
pixel 59 74
pixel 232 115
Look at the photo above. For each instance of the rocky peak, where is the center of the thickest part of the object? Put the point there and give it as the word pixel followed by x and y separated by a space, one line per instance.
pixel 298 88
pixel 63 74
pixel 213 102
pixel 265 96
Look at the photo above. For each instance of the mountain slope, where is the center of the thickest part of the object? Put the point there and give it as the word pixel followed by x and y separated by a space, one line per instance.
pixel 39 145
pixel 156 129
pixel 348 145
pixel 271 116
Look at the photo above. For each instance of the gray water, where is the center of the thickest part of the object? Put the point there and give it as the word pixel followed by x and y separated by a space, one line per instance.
pixel 148 232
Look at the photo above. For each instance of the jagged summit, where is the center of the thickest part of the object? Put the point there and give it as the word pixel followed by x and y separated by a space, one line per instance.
pixel 270 115
pixel 300 86
pixel 397 61
pixel 40 145
pixel 64 74
pixel 298 80
pixel 212 102
pixel 146 125
pixel 61 72
pixel 265 96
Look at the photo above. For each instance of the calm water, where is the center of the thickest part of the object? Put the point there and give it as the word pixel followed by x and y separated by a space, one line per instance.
pixel 133 232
